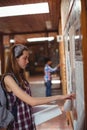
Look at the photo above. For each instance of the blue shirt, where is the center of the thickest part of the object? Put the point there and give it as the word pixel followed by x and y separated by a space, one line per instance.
pixel 47 72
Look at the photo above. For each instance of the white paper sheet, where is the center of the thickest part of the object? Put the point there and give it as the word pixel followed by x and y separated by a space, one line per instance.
pixel 43 113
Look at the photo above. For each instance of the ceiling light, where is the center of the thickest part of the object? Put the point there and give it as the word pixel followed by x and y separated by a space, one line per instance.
pixel 25 9
pixel 12 41
pixel 40 39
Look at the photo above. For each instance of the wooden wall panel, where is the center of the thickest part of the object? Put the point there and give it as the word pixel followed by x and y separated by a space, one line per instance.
pixel 71 24
pixel 84 50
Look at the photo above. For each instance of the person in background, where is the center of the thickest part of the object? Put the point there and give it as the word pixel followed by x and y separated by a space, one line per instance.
pixel 20 100
pixel 47 75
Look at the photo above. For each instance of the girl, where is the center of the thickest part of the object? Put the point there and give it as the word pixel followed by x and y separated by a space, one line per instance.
pixel 20 101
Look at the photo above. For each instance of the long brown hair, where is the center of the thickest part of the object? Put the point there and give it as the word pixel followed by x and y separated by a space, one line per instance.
pixel 12 65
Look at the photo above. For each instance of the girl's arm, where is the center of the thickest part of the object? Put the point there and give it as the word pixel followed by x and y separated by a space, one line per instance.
pixel 12 86
pixel 54 69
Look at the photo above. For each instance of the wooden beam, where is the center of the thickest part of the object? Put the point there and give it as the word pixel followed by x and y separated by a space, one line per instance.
pixel 84 51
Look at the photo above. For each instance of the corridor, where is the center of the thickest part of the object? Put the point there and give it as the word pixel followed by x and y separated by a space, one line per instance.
pixel 38 89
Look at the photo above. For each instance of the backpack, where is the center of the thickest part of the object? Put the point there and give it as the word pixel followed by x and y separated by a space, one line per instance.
pixel 6 117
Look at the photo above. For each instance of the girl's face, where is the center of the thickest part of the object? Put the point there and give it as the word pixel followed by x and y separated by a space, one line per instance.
pixel 23 60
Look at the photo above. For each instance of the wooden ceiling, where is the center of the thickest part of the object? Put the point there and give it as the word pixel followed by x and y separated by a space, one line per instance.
pixel 30 24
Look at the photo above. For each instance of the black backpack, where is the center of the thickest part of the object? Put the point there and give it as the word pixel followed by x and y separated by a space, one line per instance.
pixel 6 117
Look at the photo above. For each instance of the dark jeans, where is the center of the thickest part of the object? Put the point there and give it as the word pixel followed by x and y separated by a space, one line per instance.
pixel 48 85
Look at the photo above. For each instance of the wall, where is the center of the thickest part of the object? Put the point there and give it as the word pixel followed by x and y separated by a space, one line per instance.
pixel 71 12
pixel 84 51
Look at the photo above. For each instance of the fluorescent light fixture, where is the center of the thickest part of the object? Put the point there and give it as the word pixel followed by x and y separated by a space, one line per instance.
pixel 25 9
pixel 12 41
pixel 40 39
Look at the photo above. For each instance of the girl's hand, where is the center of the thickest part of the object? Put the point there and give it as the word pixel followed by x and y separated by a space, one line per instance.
pixel 58 65
pixel 70 96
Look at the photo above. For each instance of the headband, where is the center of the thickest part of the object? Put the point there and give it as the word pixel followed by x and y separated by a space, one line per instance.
pixel 18 49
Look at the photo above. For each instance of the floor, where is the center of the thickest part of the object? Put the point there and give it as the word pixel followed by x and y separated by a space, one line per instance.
pixel 38 89
pixel 58 123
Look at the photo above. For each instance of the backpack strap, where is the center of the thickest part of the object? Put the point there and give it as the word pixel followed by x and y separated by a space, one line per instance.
pixel 14 108
pixel 3 85
pixel 11 74
pixel 2 96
